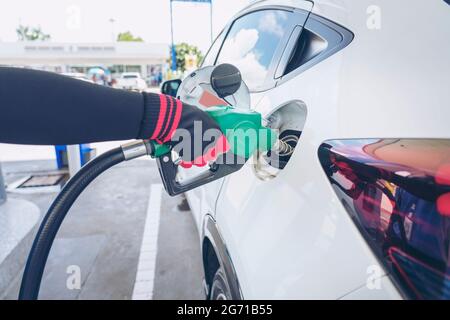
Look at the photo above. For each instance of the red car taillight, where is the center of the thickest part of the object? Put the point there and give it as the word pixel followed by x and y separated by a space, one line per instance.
pixel 398 193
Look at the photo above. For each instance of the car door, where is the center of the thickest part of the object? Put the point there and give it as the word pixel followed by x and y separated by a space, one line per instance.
pixel 254 42
pixel 281 227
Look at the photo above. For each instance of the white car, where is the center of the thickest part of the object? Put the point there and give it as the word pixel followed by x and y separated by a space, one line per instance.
pixel 361 209
pixel 131 81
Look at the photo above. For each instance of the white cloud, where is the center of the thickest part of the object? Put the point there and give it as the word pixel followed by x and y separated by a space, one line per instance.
pixel 237 47
pixel 270 23
pixel 240 52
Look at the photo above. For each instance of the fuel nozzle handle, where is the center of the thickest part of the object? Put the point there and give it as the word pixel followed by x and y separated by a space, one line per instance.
pixel 245 134
pixel 242 128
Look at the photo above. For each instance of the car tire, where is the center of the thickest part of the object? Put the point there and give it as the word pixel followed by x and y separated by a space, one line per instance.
pixel 220 290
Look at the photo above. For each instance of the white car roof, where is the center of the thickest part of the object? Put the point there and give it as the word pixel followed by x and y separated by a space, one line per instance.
pixel 137 74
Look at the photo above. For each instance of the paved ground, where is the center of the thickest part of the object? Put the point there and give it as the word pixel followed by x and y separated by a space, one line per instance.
pixel 101 239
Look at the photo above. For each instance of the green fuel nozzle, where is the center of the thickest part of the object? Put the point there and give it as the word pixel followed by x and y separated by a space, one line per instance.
pixel 242 128
pixel 245 134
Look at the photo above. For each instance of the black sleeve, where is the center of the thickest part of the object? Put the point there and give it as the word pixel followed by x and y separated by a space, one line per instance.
pixel 45 108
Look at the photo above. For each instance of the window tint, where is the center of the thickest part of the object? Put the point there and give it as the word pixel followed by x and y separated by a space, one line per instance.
pixel 252 42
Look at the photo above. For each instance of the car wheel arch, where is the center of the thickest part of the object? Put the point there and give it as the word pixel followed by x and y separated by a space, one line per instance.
pixel 215 255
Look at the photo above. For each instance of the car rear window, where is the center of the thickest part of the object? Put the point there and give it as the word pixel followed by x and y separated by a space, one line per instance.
pixel 252 42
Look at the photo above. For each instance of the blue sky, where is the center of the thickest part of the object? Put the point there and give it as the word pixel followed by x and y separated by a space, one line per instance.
pixel 88 20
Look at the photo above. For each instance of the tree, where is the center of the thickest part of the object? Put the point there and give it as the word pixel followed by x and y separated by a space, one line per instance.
pixel 182 50
pixel 27 33
pixel 127 36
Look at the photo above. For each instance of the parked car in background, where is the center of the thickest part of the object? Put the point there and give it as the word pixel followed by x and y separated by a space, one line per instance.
pixel 131 81
pixel 361 208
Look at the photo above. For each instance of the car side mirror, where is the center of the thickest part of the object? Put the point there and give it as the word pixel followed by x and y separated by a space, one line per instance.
pixel 226 79
pixel 170 87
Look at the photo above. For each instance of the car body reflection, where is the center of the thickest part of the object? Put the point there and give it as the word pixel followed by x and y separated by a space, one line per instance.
pixel 397 191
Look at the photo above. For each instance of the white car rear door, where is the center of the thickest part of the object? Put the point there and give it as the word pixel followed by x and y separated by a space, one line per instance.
pixel 254 42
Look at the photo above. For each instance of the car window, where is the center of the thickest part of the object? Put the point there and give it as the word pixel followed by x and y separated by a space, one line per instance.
pixel 252 42
pixel 210 57
pixel 308 46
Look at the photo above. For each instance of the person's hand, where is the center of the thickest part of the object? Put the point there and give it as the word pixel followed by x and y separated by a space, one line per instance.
pixel 192 133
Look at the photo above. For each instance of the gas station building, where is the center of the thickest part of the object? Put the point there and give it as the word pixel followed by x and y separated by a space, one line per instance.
pixel 118 57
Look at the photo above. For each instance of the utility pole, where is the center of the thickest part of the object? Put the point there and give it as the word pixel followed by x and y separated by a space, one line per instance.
pixel 2 187
pixel 173 52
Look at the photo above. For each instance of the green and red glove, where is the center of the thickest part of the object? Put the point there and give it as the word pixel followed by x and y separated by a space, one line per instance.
pixel 189 130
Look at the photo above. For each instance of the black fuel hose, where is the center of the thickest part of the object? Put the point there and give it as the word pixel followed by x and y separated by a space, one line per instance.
pixel 34 269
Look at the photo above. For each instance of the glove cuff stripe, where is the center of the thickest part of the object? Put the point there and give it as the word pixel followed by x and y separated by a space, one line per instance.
pixel 169 120
pixel 176 121
pixel 161 116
